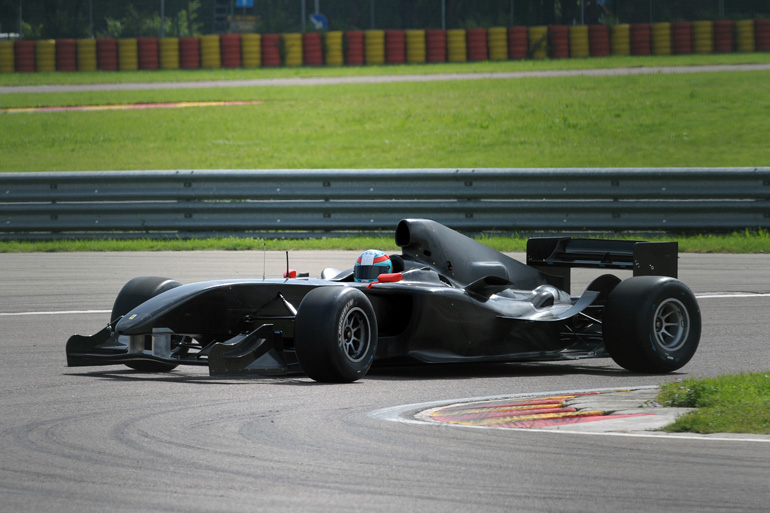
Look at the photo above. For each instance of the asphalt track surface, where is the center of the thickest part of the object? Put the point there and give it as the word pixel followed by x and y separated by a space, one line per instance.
pixel 368 79
pixel 96 439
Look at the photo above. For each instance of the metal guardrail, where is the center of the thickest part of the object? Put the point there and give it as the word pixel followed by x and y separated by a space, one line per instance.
pixel 194 203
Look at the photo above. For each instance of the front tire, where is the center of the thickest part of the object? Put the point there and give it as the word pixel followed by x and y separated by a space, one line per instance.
pixel 133 294
pixel 651 324
pixel 335 334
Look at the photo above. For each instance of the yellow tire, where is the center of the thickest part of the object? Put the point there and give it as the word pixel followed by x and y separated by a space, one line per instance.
pixel 415 46
pixel 86 54
pixel 128 54
pixel 251 50
pixel 744 36
pixel 45 55
pixel 620 40
pixel 7 61
pixel 538 42
pixel 578 42
pixel 293 45
pixel 661 39
pixel 374 47
pixel 703 36
pixel 169 53
pixel 456 44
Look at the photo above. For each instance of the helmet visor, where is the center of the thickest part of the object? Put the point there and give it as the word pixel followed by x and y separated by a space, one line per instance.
pixel 369 272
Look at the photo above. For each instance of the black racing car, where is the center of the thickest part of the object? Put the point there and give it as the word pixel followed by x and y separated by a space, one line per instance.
pixel 445 298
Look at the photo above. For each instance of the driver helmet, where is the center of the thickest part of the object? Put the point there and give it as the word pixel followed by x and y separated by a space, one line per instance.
pixel 371 264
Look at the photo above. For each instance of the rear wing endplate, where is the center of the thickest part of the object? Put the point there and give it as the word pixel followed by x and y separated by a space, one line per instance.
pixel 555 256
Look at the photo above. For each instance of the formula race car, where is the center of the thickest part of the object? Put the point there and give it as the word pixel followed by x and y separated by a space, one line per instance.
pixel 445 298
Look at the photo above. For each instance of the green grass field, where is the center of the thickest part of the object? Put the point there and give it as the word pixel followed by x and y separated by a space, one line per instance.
pixel 726 404
pixel 704 119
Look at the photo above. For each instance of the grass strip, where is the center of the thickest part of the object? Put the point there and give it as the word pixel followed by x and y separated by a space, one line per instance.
pixel 726 404
pixel 746 242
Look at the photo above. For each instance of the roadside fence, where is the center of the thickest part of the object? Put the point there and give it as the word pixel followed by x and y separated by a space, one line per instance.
pixel 291 203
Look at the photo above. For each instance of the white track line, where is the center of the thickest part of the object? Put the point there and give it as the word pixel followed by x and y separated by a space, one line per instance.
pixel 729 295
pixel 62 312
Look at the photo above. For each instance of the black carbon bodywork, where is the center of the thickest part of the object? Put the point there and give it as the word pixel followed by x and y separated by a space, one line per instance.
pixel 451 299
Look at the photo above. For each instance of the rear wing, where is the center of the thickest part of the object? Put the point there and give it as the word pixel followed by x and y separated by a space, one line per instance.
pixel 556 256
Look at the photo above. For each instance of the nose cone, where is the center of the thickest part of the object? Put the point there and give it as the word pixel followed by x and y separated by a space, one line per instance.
pixel 135 323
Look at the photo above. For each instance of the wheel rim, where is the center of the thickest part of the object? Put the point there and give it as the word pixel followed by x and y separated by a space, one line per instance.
pixel 355 334
pixel 672 324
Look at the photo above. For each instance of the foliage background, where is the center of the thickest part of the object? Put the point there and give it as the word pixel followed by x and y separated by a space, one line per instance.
pixel 84 18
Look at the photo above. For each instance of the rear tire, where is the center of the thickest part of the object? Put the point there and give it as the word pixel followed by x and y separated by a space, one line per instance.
pixel 335 334
pixel 651 324
pixel 133 294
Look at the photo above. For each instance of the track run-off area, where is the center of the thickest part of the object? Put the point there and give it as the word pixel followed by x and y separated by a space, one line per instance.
pixel 87 439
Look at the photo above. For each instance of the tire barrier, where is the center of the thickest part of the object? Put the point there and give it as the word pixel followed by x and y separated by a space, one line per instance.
pixel 620 40
pixel 66 55
pixel 395 46
pixel 230 50
pixel 724 36
pixel 476 41
pixel 293 45
pixel 762 35
pixel 148 52
pixel 210 57
pixel 86 54
pixel 7 60
pixel 681 38
pixel 107 54
pixel 354 48
pixel 312 49
pixel 415 46
pixel 24 56
pixel 599 40
pixel 374 46
pixel 45 55
pixel 578 41
pixel 456 45
pixel 640 39
pixel 189 53
pixel 703 36
pixel 661 39
pixel 538 42
pixel 558 39
pixel 517 43
pixel 251 50
pixel 169 53
pixel 334 54
pixel 128 54
pixel 744 36
pixel 435 45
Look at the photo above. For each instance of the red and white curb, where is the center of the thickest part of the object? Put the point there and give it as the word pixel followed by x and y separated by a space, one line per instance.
pixel 127 106
pixel 537 413
pixel 619 412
